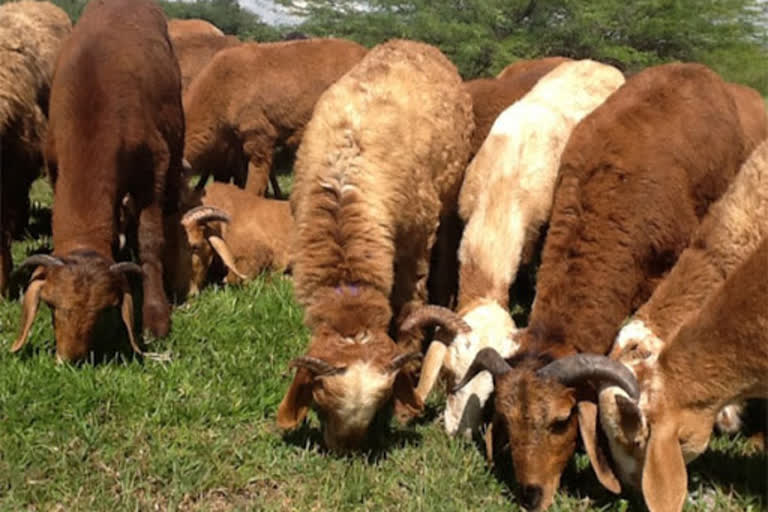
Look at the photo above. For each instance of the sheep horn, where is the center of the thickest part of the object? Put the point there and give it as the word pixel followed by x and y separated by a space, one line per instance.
pixel 317 366
pixel 126 266
pixel 398 362
pixel 486 359
pixel 200 214
pixel 572 369
pixel 42 259
pixel 432 314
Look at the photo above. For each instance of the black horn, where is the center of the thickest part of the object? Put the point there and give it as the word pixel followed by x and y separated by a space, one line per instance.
pixel 486 359
pixel 439 315
pixel 398 362
pixel 573 369
pixel 42 259
pixel 125 267
pixel 317 366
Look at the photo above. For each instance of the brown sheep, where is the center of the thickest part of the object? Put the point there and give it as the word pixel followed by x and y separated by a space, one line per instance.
pixel 194 51
pixel 525 65
pixel 31 34
pixel 718 356
pixel 751 108
pixel 249 234
pixel 382 160
pixel 116 128
pixel 255 97
pixel 491 96
pixel 185 27
pixel 728 235
pixel 632 187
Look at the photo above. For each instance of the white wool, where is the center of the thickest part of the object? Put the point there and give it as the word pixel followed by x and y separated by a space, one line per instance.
pixel 363 386
pixel 491 327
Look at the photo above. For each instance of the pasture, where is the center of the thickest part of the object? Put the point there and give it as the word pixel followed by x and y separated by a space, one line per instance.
pixel 198 432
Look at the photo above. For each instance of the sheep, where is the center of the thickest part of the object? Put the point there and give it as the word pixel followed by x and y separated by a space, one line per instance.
pixel 30 36
pixel 631 189
pixel 490 96
pixel 751 109
pixel 255 97
pixel 505 199
pixel 249 234
pixel 524 65
pixel 731 231
pixel 194 51
pixel 719 355
pixel 183 27
pixel 382 160
pixel 116 127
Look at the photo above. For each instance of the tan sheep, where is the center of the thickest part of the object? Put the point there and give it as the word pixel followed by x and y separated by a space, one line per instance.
pixel 525 65
pixel 255 97
pixel 180 27
pixel 751 108
pixel 31 34
pixel 382 160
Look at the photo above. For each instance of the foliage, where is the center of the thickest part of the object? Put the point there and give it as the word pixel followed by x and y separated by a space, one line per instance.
pixel 483 36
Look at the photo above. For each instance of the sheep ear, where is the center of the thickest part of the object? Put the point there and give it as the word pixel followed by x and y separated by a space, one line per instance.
pixel 293 409
pixel 588 428
pixel 222 249
pixel 28 312
pixel 488 438
pixel 408 404
pixel 665 480
pixel 126 312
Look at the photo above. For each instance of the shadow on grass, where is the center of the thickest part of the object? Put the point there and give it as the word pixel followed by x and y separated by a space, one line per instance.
pixel 381 440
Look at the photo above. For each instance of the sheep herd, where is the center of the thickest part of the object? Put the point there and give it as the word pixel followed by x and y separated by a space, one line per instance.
pixel 416 198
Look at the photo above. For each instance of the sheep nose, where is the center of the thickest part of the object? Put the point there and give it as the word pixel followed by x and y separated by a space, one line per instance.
pixel 531 496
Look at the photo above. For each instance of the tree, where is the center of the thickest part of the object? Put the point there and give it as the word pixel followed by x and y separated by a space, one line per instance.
pixel 482 36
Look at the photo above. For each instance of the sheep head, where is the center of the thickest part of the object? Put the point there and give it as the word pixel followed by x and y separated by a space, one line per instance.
pixel 78 288
pixel 484 324
pixel 536 398
pixel 351 370
pixel 193 243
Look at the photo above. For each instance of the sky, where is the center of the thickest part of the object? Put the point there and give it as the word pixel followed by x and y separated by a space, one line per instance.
pixel 269 11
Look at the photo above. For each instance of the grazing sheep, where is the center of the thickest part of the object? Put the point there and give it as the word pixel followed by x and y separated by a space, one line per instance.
pixel 184 27
pixel 729 234
pixel 30 36
pixel 526 65
pixel 194 51
pixel 116 128
pixel 505 199
pixel 718 356
pixel 751 108
pixel 631 189
pixel 255 97
pixel 382 160
pixel 491 96
pixel 249 234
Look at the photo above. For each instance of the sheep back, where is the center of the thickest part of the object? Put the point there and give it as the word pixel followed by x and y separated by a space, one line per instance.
pixel 393 136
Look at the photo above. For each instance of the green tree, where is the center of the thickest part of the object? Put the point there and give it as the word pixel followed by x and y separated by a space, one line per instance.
pixel 482 36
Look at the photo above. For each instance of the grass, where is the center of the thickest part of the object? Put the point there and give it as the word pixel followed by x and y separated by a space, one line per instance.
pixel 198 433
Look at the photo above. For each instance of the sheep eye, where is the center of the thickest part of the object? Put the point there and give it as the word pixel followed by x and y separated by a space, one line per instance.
pixel 560 424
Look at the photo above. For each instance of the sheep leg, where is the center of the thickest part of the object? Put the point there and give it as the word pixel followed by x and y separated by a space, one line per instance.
pixel 5 261
pixel 410 290
pixel 155 311
pixel 259 148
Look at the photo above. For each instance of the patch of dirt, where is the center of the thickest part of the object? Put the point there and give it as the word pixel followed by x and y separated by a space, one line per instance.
pixel 256 493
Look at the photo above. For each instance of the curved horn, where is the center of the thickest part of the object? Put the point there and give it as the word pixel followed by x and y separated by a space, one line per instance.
pixel 200 214
pixel 42 259
pixel 432 314
pixel 486 359
pixel 317 366
pixel 126 266
pixel 572 369
pixel 398 362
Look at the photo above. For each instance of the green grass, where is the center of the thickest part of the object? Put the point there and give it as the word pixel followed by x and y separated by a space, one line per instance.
pixel 199 433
